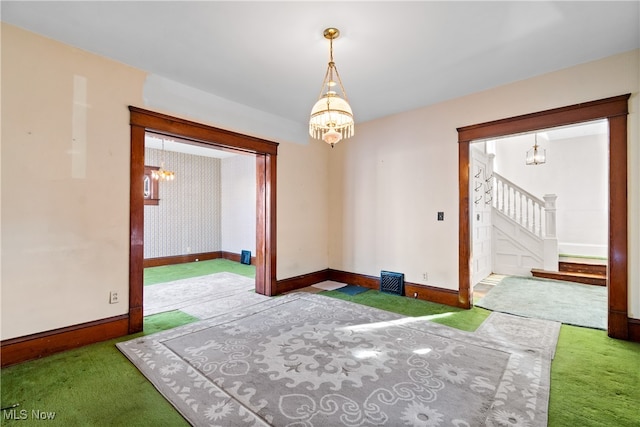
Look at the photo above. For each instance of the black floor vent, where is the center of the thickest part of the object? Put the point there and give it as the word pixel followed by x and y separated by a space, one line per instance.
pixel 392 283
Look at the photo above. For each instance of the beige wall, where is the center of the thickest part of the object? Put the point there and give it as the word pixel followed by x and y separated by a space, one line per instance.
pixel 389 182
pixel 303 203
pixel 65 183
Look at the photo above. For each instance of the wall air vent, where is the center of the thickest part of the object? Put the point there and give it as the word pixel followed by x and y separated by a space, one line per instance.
pixel 392 283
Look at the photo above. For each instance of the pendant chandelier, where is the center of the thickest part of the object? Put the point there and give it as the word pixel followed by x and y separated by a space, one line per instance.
pixel 536 155
pixel 162 174
pixel 331 116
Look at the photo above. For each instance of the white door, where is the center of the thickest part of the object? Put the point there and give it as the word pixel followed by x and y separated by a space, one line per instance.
pixel 480 199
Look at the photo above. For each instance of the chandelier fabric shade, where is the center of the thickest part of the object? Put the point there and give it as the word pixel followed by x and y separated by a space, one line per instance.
pixel 331 117
pixel 536 155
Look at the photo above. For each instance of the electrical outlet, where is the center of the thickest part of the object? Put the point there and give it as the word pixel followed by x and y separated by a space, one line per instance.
pixel 440 216
pixel 425 276
pixel 113 297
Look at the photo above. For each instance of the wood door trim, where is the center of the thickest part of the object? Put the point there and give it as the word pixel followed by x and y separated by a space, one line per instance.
pixel 615 110
pixel 143 121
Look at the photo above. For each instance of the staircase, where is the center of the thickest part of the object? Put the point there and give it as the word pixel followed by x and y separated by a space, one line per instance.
pixel 524 235
pixel 577 272
pixel 524 229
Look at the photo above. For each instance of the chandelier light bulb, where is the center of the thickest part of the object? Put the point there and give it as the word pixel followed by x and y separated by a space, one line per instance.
pixel 331 137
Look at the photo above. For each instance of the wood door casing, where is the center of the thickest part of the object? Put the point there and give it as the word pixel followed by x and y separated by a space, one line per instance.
pixel 615 110
pixel 143 121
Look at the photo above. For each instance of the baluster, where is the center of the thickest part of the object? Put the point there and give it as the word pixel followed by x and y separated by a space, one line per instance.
pixel 522 196
pixel 514 197
pixel 507 192
pixel 530 203
pixel 511 201
pixel 505 199
pixel 525 211
pixel 532 220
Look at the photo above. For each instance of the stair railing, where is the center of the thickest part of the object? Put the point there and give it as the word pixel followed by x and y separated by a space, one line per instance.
pixel 518 204
pixel 530 212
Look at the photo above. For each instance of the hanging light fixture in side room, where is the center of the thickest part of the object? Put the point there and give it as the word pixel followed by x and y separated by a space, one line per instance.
pixel 331 116
pixel 536 156
pixel 162 174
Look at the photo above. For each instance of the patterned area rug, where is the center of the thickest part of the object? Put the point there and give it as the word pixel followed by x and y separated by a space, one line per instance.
pixel 202 297
pixel 570 303
pixel 308 360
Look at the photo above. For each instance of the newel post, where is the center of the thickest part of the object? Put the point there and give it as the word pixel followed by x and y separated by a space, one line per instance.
pixel 550 215
pixel 550 238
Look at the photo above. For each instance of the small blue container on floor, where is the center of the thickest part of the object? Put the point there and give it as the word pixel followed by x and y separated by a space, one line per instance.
pixel 352 289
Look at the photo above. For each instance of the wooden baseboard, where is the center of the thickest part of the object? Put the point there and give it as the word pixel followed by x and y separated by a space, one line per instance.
pixel 634 330
pixel 235 257
pixel 423 292
pixel 431 293
pixel 412 290
pixel 357 279
pixel 181 259
pixel 299 282
pixel 43 344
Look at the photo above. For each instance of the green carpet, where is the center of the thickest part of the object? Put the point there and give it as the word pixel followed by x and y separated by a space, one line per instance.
pixel 467 320
pixel 90 386
pixel 169 273
pixel 594 379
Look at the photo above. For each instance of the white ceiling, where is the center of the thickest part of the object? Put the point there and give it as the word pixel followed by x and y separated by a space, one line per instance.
pixel 392 56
